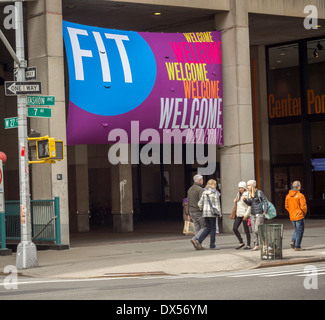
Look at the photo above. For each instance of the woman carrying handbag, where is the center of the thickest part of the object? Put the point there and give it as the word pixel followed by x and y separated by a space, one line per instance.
pixel 242 216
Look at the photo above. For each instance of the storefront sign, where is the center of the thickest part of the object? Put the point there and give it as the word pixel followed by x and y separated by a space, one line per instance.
pixel 291 106
pixel 316 103
pixel 157 81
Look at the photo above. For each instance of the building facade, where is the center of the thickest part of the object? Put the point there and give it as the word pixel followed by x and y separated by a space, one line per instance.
pixel 273 56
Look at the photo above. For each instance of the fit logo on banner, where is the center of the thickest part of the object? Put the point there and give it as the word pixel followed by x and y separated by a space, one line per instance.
pixel 311 21
pixel 9 21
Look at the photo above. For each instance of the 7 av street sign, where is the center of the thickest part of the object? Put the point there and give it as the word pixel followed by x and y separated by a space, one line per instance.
pixel 36 112
pixel 13 88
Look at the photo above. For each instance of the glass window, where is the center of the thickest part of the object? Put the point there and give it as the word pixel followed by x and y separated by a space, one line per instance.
pixel 316 71
pixel 284 176
pixel 289 150
pixel 281 187
pixel 316 107
pixel 284 82
pixel 318 159
pixel 286 143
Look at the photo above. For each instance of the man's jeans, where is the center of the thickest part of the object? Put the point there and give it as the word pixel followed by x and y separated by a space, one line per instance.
pixel 199 223
pixel 298 233
pixel 209 229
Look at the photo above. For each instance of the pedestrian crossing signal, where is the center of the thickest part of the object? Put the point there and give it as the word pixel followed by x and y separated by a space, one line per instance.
pixel 45 148
pixel 48 150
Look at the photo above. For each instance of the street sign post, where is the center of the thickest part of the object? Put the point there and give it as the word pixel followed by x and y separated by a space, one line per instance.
pixel 26 256
pixel 11 123
pixel 14 88
pixel 36 112
pixel 41 100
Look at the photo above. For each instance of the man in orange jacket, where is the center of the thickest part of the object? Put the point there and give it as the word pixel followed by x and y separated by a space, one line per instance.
pixel 295 203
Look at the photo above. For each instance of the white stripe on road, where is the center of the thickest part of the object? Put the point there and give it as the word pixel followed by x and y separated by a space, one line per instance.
pixel 274 273
pixel 296 272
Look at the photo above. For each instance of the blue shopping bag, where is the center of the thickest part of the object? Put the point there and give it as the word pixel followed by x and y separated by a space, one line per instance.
pixel 271 211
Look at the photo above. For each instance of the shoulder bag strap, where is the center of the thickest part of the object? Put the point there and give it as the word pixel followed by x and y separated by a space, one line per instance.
pixel 259 198
pixel 210 203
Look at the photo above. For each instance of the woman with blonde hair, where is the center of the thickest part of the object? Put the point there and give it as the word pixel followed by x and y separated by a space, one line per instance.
pixel 258 203
pixel 210 197
pixel 243 213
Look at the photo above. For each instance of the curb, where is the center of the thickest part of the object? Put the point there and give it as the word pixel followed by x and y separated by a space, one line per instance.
pixel 290 262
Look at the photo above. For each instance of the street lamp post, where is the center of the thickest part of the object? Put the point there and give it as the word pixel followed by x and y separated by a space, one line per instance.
pixel 26 249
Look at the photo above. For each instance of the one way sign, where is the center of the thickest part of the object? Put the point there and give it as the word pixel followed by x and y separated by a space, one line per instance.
pixel 13 88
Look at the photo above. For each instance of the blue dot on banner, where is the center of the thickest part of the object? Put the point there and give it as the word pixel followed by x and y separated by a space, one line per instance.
pixel 120 95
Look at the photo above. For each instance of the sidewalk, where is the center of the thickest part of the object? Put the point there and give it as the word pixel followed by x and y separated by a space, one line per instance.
pixel 164 251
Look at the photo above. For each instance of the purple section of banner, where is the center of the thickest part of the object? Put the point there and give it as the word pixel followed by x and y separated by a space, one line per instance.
pixel 186 96
pixel 91 127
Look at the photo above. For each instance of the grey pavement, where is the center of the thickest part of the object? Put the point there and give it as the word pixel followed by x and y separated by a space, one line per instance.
pixel 160 248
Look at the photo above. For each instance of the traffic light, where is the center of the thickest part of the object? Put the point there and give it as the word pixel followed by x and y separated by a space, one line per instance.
pixel 48 149
pixel 45 148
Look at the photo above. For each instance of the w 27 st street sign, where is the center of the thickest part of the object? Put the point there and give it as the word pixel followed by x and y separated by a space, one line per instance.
pixel 11 123
pixel 13 88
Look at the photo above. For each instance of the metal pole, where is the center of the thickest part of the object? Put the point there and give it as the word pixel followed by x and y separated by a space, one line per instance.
pixel 2 210
pixel 8 46
pixel 26 250
pixel 57 220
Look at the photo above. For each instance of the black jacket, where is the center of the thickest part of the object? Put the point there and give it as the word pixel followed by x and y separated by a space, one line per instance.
pixel 194 194
pixel 257 202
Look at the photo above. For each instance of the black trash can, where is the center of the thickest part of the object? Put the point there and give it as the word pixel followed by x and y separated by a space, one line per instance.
pixel 270 238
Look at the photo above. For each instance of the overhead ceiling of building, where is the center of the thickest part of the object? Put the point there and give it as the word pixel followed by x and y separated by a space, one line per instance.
pixel 270 29
pixel 263 29
pixel 138 17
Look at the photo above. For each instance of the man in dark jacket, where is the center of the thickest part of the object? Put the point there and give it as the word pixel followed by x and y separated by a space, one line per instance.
pixel 194 194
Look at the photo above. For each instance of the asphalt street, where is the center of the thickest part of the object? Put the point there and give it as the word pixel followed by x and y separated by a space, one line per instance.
pixel 304 281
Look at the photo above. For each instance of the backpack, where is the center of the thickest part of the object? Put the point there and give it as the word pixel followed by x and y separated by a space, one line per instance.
pixel 271 211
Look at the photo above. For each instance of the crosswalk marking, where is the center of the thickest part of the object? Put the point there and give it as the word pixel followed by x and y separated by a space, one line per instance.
pixel 318 274
pixel 275 273
pixel 303 273
pixel 251 273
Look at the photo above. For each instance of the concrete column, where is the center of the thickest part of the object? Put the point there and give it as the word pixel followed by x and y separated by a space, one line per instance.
pixel 45 51
pixel 237 155
pixel 82 188
pixel 258 54
pixel 122 199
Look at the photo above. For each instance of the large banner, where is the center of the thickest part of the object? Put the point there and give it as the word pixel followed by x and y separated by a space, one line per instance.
pixel 146 85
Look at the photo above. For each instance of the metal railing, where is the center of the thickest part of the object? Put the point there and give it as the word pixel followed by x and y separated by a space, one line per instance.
pixel 45 220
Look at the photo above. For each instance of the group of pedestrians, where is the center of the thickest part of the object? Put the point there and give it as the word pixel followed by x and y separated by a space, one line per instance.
pixel 250 209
